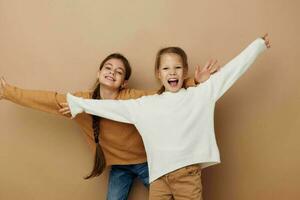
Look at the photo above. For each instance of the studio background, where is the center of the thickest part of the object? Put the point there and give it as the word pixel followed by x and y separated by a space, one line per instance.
pixel 57 45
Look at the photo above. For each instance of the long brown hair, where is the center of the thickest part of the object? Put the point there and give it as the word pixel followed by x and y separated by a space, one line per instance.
pixel 176 50
pixel 99 161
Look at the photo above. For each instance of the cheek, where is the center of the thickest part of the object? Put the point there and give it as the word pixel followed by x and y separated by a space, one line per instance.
pixel 180 73
pixel 120 77
pixel 100 75
pixel 163 75
pixel 184 73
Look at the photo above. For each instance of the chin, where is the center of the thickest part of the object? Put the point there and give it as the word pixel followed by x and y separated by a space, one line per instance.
pixel 173 90
pixel 176 90
pixel 109 85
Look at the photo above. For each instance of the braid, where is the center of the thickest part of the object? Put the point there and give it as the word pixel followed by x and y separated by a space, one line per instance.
pixel 96 128
pixel 161 90
pixel 96 119
pixel 99 161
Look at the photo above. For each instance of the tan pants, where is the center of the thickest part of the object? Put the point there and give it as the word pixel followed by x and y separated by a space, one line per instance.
pixel 182 184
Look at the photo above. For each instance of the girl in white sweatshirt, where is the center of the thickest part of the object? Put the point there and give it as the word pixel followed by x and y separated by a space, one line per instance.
pixel 177 125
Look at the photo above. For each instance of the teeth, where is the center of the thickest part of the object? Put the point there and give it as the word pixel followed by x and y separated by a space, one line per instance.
pixel 173 82
pixel 109 78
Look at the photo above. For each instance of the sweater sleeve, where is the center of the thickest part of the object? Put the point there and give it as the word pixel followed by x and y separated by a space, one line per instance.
pixel 135 93
pixel 117 110
pixel 45 101
pixel 228 74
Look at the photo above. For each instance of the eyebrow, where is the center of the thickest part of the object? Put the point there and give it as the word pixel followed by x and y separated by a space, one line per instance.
pixel 121 68
pixel 117 67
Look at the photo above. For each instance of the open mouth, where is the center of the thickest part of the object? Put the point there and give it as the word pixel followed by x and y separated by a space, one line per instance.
pixel 109 78
pixel 173 82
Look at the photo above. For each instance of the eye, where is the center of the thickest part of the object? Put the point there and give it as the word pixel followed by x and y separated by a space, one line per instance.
pixel 107 67
pixel 120 72
pixel 165 68
pixel 178 67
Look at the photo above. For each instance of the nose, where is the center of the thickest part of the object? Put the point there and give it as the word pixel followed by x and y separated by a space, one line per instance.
pixel 112 72
pixel 173 72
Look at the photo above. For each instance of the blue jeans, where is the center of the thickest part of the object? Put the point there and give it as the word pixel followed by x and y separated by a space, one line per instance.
pixel 121 178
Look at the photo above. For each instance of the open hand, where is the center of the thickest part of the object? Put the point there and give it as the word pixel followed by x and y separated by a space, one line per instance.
pixel 2 85
pixel 203 74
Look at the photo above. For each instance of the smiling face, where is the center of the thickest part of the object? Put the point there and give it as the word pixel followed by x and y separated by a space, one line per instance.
pixel 171 71
pixel 112 74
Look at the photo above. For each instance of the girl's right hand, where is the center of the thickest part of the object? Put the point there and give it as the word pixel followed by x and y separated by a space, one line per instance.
pixel 2 85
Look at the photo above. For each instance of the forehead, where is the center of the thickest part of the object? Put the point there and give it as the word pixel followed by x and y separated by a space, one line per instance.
pixel 171 58
pixel 116 63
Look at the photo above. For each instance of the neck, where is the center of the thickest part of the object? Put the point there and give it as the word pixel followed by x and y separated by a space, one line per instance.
pixel 108 93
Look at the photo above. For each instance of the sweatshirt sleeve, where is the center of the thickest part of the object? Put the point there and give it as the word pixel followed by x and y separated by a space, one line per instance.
pixel 45 101
pixel 117 110
pixel 228 74
pixel 135 93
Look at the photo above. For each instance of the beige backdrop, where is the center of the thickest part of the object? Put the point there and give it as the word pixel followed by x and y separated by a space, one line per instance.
pixel 58 44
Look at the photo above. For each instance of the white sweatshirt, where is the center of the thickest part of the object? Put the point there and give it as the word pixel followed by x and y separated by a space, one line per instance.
pixel 177 128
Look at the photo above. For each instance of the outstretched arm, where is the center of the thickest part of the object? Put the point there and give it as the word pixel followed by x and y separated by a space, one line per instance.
pixel 117 110
pixel 45 101
pixel 228 74
pixel 200 76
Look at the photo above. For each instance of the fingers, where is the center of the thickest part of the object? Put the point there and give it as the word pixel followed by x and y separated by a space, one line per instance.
pixel 2 80
pixel 267 40
pixel 218 67
pixel 213 66
pixel 265 36
pixel 197 73
pixel 2 84
pixel 197 70
pixel 65 110
pixel 64 104
pixel 213 63
pixel 207 64
pixel 203 74
pixel 214 69
pixel 66 113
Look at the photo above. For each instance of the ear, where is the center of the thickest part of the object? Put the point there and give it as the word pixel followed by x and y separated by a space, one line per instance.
pixel 157 74
pixel 125 84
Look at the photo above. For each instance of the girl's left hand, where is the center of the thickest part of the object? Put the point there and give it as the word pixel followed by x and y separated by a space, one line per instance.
pixel 203 74
pixel 65 109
